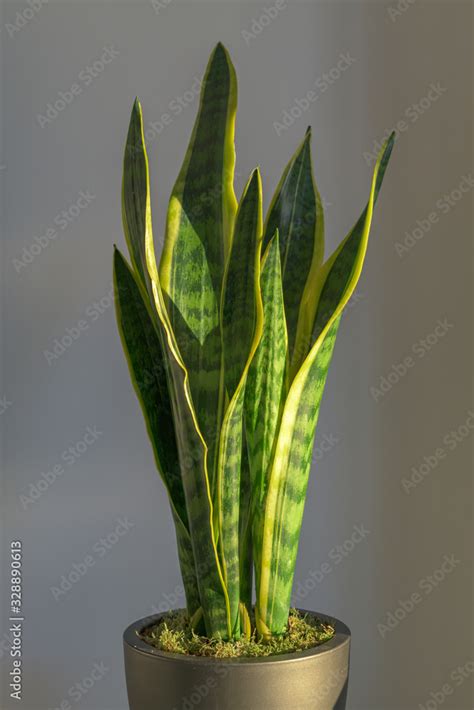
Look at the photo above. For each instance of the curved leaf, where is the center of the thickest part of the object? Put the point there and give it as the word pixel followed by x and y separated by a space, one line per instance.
pixel 147 366
pixel 297 212
pixel 306 334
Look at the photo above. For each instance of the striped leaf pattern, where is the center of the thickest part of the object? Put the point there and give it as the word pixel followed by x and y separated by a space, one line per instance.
pixel 147 368
pixel 265 388
pixel 289 475
pixel 242 320
pixel 245 531
pixel 198 236
pixel 191 447
pixel 229 352
pixel 148 373
pixel 296 211
pixel 285 498
pixel 240 293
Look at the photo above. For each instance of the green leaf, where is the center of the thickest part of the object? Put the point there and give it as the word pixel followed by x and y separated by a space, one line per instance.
pixel 192 449
pixel 286 494
pixel 147 366
pixel 193 453
pixel 265 389
pixel 187 567
pixel 291 464
pixel 307 322
pixel 198 236
pixel 241 332
pixel 239 312
pixel 245 531
pixel 297 212
pixel 136 212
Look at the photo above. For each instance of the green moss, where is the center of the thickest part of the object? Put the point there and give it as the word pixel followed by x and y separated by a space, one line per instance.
pixel 173 633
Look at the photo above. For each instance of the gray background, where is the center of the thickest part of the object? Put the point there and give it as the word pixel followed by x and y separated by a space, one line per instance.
pixel 161 49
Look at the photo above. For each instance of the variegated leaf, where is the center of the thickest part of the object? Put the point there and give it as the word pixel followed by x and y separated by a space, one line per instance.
pixel 297 212
pixel 147 366
pixel 265 390
pixel 198 236
pixel 192 449
pixel 289 476
pixel 241 332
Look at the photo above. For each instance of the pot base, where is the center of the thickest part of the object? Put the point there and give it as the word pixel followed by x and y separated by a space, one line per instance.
pixel 314 679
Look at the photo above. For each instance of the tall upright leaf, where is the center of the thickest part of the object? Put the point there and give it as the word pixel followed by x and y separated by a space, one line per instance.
pixel 245 531
pixel 297 212
pixel 198 237
pixel 240 293
pixel 265 390
pixel 242 319
pixel 136 211
pixel 192 449
pixel 291 464
pixel 147 367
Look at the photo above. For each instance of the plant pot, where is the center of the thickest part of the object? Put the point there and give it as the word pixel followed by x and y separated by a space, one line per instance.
pixel 315 679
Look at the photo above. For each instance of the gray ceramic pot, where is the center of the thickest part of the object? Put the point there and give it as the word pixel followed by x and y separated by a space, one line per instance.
pixel 308 680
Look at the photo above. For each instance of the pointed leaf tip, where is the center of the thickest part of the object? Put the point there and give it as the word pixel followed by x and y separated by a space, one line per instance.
pixel 219 51
pixel 255 175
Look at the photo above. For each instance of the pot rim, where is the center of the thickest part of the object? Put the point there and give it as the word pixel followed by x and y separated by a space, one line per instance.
pixel 340 638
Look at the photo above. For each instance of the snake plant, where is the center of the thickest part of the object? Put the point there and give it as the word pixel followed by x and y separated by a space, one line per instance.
pixel 228 342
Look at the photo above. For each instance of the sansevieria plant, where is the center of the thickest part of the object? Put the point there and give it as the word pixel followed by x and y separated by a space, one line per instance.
pixel 228 342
